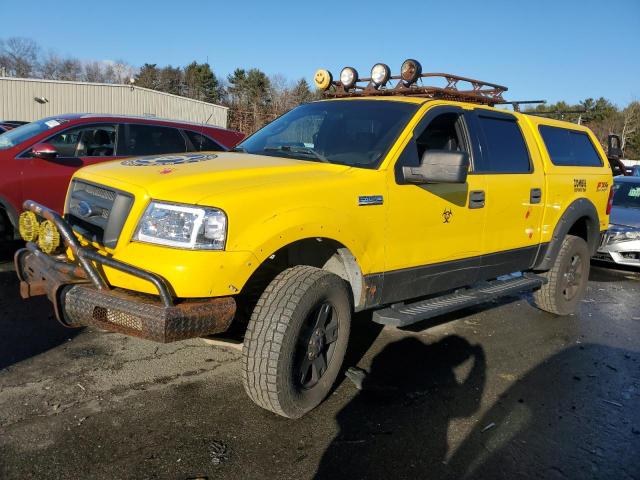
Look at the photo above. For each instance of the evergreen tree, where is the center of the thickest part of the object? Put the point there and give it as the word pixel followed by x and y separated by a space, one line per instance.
pixel 201 83
pixel 148 76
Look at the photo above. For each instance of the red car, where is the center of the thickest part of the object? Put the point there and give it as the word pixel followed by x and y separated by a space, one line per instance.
pixel 10 124
pixel 38 159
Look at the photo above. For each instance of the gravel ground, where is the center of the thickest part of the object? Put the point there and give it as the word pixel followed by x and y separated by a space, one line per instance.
pixel 499 391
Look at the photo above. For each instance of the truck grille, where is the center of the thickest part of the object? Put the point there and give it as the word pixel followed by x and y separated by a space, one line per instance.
pixel 98 213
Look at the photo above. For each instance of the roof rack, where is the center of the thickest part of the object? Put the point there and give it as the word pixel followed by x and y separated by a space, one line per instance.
pixel 516 103
pixel 479 91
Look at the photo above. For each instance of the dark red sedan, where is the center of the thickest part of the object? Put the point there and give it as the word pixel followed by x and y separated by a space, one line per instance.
pixel 38 159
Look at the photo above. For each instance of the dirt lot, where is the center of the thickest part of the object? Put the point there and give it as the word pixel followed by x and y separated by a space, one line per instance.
pixel 503 391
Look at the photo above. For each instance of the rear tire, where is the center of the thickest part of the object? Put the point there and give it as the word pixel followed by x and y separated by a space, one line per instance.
pixel 296 340
pixel 567 279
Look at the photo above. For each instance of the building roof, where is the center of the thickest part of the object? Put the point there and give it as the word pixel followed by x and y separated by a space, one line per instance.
pixel 109 85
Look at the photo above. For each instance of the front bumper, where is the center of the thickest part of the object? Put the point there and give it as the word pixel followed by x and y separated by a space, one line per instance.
pixel 82 296
pixel 621 253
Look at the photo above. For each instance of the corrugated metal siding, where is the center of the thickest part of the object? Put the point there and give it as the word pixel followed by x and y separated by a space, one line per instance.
pixel 17 101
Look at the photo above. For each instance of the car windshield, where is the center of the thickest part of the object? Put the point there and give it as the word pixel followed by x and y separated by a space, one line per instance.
pixel 627 195
pixel 18 135
pixel 357 133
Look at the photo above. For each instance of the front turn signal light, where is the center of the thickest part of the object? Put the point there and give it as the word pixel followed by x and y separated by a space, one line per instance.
pixel 28 226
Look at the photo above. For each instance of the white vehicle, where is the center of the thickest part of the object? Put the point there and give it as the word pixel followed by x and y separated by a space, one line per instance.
pixel 621 242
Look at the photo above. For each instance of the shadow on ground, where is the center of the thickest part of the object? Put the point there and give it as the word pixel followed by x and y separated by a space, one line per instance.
pixel 27 327
pixel 606 272
pixel 573 416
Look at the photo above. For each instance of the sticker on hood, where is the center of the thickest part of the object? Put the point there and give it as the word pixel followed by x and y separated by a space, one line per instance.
pixel 161 160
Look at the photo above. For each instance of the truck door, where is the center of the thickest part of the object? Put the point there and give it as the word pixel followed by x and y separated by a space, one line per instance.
pixel 435 231
pixel 506 154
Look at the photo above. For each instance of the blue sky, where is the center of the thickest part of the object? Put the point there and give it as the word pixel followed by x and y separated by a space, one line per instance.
pixel 561 49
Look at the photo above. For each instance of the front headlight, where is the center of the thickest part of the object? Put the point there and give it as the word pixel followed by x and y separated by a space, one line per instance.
pixel 620 234
pixel 182 226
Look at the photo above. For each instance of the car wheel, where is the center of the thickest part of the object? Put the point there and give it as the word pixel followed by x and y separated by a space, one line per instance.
pixel 296 340
pixel 567 279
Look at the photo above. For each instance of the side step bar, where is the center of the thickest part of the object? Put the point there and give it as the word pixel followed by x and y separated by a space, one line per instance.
pixel 403 314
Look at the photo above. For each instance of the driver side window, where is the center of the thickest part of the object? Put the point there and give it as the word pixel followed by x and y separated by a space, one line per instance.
pixel 443 132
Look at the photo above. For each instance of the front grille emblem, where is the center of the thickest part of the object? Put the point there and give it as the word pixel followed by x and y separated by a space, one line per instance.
pixel 84 209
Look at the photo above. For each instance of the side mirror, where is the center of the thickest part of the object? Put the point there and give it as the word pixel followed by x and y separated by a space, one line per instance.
pixel 438 166
pixel 45 151
pixel 614 147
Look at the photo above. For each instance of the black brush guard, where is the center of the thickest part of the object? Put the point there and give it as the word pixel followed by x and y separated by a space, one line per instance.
pixel 81 294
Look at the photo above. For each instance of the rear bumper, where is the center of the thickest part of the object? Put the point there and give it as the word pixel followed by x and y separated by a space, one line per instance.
pixel 82 296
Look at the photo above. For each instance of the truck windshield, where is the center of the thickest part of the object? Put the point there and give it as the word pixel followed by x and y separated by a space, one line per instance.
pixel 357 133
pixel 626 195
pixel 25 132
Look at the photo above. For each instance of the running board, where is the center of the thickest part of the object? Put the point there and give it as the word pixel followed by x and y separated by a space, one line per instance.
pixel 403 314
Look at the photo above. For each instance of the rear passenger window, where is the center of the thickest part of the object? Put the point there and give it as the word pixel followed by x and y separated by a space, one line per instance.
pixel 151 140
pixel 569 147
pixel 503 147
pixel 202 143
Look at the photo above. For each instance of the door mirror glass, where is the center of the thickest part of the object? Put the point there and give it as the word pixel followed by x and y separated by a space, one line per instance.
pixel 45 151
pixel 439 166
pixel 614 147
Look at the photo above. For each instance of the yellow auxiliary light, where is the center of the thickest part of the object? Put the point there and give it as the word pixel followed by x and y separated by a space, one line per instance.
pixel 410 71
pixel 323 79
pixel 28 226
pixel 49 237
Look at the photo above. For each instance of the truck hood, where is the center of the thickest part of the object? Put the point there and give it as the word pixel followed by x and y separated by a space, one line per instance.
pixel 625 217
pixel 191 178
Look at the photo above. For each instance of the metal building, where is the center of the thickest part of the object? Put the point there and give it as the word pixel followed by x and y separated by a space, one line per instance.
pixel 31 99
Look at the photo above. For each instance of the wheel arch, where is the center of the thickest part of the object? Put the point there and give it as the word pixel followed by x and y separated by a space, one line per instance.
pixel 580 219
pixel 11 214
pixel 321 252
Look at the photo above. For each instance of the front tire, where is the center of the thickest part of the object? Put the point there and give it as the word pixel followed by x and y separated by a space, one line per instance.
pixel 567 279
pixel 296 340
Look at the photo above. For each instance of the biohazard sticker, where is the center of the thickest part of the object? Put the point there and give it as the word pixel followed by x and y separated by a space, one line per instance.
pixel 162 160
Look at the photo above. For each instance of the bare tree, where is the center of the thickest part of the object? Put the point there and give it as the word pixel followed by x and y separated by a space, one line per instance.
pixel 631 123
pixel 70 69
pixel 19 56
pixel 93 72
pixel 122 71
pixel 50 67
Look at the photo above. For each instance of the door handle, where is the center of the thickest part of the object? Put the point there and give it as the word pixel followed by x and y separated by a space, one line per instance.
pixel 476 199
pixel 536 195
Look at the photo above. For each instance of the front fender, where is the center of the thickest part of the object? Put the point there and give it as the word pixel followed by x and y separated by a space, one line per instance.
pixel 280 229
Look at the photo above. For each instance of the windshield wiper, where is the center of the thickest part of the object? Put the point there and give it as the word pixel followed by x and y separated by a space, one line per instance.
pixel 299 150
pixel 238 149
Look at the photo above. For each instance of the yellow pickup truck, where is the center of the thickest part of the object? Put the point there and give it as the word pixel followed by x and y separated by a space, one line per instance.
pixel 408 200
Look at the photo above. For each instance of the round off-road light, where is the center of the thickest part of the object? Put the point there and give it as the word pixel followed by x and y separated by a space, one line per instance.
pixel 348 77
pixel 380 74
pixel 48 237
pixel 323 79
pixel 410 71
pixel 28 226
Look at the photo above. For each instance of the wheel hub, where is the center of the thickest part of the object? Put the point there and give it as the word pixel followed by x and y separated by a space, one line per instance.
pixel 319 346
pixel 572 277
pixel 316 344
